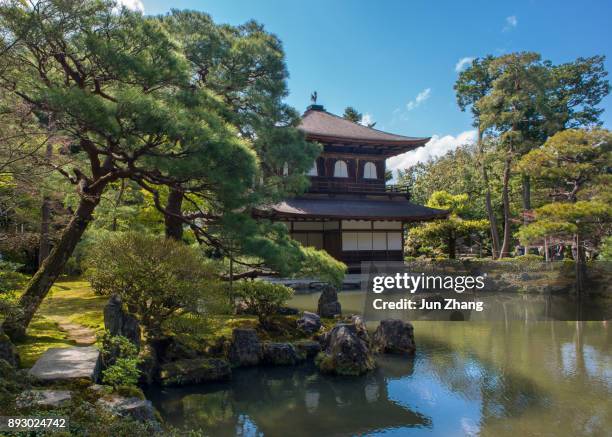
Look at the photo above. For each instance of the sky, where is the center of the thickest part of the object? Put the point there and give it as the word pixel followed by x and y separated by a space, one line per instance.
pixel 396 60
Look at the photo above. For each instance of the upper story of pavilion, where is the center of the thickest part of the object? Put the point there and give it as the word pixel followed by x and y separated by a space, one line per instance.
pixel 353 157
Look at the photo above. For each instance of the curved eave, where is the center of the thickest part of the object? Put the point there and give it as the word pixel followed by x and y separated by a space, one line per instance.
pixel 394 147
pixel 327 209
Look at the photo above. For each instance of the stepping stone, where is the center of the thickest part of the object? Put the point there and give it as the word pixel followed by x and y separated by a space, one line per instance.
pixel 43 398
pixel 141 410
pixel 61 364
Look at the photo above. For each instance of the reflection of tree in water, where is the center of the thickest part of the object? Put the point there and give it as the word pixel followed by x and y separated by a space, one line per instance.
pixel 295 401
pixel 526 375
pixel 526 378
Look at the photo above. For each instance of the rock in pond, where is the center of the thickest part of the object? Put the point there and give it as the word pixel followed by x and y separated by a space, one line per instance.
pixel 194 371
pixel 394 336
pixel 8 351
pixel 43 398
pixel 328 302
pixel 280 354
pixel 141 410
pixel 344 352
pixel 64 364
pixel 307 348
pixel 120 322
pixel 309 323
pixel 245 349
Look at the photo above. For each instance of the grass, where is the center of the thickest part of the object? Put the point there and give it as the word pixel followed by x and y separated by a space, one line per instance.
pixel 69 301
pixel 42 334
pixel 73 301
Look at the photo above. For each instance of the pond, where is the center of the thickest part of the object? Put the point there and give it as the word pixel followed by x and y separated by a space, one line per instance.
pixel 468 378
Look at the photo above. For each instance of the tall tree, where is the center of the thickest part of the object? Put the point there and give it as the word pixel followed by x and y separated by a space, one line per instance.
pixel 473 84
pixel 517 110
pixel 244 67
pixel 118 88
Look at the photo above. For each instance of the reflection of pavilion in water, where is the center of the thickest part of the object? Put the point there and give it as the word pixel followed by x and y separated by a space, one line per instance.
pixel 296 401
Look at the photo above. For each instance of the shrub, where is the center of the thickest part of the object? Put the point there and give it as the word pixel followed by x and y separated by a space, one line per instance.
pixel 10 278
pixel 155 277
pixel 114 347
pixel 319 264
pixel 124 372
pixel 120 357
pixel 263 298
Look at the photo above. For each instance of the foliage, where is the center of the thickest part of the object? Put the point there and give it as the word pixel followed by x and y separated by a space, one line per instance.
pixel 433 238
pixel 114 347
pixel 570 161
pixel 352 114
pixel 120 360
pixel 10 278
pixel 319 264
pixel 155 277
pixel 355 116
pixel 262 297
pixel 585 218
pixel 123 372
pixel 606 249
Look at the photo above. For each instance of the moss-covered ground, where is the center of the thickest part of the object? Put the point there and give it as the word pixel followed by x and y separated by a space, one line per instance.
pixel 70 301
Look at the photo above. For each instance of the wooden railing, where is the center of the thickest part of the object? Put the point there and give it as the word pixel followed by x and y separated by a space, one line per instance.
pixel 336 185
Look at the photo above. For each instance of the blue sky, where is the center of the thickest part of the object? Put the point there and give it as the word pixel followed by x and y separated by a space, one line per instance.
pixel 396 60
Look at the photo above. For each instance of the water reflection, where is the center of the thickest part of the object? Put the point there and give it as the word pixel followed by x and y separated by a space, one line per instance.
pixel 501 379
pixel 292 401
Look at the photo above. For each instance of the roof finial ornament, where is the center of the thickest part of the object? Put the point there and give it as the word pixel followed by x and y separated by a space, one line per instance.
pixel 313 98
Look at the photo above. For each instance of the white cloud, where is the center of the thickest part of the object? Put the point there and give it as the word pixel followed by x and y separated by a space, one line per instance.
pixel 511 23
pixel 420 98
pixel 366 119
pixel 133 5
pixel 463 63
pixel 435 147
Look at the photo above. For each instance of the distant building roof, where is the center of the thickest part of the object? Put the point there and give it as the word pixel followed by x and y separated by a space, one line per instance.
pixel 319 124
pixel 356 209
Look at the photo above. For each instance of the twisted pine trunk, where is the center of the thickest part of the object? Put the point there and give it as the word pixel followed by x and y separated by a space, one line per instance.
pixel 16 323
pixel 173 224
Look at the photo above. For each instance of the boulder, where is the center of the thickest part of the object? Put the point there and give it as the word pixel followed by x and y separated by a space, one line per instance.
pixel 328 302
pixel 360 328
pixel 280 354
pixel 245 348
pixel 307 348
pixel 287 311
pixel 8 351
pixel 65 364
pixel 344 352
pixel 141 410
pixel 43 398
pixel 394 336
pixel 119 322
pixel 194 371
pixel 309 323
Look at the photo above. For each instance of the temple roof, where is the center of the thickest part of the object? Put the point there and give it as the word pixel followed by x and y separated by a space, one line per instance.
pixel 319 124
pixel 356 209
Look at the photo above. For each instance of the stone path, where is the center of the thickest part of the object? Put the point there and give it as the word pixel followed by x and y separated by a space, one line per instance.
pixel 81 335
pixel 60 364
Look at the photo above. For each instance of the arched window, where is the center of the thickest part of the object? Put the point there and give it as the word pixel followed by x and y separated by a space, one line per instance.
pixel 369 170
pixel 285 169
pixel 340 169
pixel 313 171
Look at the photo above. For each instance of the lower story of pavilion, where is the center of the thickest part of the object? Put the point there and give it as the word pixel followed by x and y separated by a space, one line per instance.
pixel 352 230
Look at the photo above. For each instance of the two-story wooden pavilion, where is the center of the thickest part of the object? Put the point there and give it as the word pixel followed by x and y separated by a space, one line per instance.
pixel 349 210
